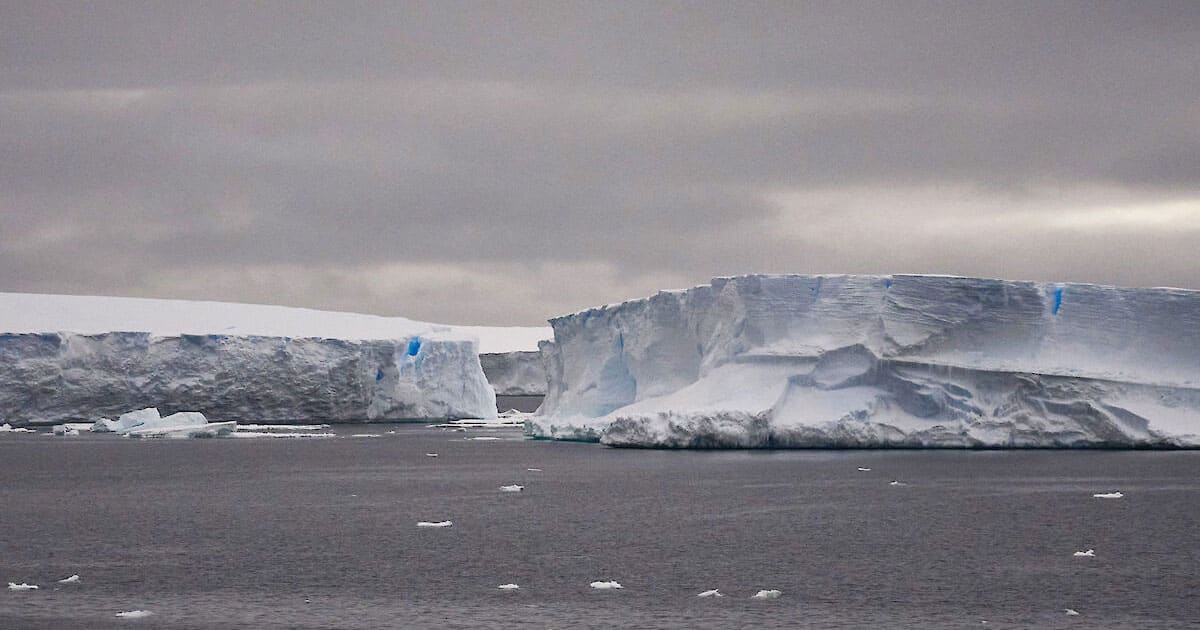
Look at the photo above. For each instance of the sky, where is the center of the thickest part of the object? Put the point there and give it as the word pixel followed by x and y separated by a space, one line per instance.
pixel 502 163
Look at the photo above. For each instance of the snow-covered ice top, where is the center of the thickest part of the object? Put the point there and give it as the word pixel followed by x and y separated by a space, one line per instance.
pixel 43 313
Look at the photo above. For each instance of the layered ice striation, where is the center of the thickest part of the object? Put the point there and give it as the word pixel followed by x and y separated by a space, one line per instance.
pixel 250 363
pixel 879 361
pixel 518 373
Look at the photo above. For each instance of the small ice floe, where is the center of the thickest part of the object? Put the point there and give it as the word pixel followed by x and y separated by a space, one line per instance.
pixel 272 434
pixel 508 587
pixel 534 469
pixel 713 593
pixel 22 587
pixel 134 614
pixel 1071 612
pixel 64 430
pixel 771 594
pixel 282 427
pixel 74 579
pixel 896 483
pixel 861 469
pixel 434 523
pixel 1108 495
pixel 606 585
pixel 512 488
pixel 8 428
pixel 366 435
pixel 484 438
pixel 1090 553
pixel 431 454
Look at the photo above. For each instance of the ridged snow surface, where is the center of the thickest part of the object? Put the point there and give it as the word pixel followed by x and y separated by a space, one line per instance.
pixel 249 363
pixel 879 361
pixel 515 373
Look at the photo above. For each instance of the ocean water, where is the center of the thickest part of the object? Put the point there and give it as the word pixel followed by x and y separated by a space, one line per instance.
pixel 277 533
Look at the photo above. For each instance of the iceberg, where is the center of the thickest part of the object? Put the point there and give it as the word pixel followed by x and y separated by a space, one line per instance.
pixel 66 358
pixel 518 373
pixel 853 361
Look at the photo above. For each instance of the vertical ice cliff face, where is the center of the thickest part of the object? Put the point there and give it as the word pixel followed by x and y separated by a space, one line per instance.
pixel 903 360
pixel 515 373
pixel 59 377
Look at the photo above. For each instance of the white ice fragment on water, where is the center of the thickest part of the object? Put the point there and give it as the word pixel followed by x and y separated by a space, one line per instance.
pixel 74 579
pixel 767 594
pixel 861 469
pixel 282 427
pixel 365 435
pixel 1108 495
pixel 65 430
pixel 1071 612
pixel 134 614
pixel 896 483
pixel 1090 553
pixel 606 585
pixel 512 488
pixel 534 469
pixel 508 587
pixel 269 434
pixel 434 523
pixel 22 587
pixel 713 593
pixel 431 454
pixel 8 428
pixel 484 438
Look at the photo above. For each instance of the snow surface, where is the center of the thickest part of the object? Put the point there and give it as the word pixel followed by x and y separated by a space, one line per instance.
pixel 92 315
pixel 877 361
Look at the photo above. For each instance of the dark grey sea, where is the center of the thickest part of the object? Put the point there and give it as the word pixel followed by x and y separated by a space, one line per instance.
pixel 279 533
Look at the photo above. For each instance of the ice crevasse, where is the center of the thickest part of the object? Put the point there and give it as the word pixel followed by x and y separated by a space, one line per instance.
pixel 812 361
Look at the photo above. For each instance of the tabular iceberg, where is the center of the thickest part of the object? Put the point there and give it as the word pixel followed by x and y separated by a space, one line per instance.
pixel 65 358
pixel 518 373
pixel 879 361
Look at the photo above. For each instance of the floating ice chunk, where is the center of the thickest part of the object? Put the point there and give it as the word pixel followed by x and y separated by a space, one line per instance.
pixel 22 587
pixel 366 435
pixel 431 454
pixel 269 434
pixel 508 587
pixel 135 614
pixel 282 427
pixel 133 419
pixel 1090 553
pixel 896 483
pixel 63 429
pixel 713 593
pixel 74 579
pixel 512 488
pixel 861 469
pixel 8 428
pixel 484 438
pixel 1071 612
pixel 434 523
pixel 771 594
pixel 163 430
pixel 1108 495
pixel 606 585
pixel 534 469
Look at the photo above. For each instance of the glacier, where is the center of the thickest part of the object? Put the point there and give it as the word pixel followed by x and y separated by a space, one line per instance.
pixel 865 361
pixel 75 358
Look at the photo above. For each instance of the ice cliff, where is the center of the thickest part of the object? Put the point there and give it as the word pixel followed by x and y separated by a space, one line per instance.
pixel 71 358
pixel 515 373
pixel 879 361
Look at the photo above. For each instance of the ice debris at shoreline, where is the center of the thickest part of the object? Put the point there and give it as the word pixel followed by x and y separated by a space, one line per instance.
pixel 1109 495
pixel 434 523
pixel 8 428
pixel 767 594
pixel 147 423
pixel 606 585
pixel 22 587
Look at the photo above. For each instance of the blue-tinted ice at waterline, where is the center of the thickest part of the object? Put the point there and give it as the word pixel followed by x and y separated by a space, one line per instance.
pixel 322 534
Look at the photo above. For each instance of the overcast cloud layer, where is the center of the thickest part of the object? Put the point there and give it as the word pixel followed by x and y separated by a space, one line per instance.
pixel 472 163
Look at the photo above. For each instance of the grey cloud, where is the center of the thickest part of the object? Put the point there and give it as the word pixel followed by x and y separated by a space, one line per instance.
pixel 160 149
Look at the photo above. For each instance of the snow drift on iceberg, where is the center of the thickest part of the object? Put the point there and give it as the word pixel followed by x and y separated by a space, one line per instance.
pixel 879 361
